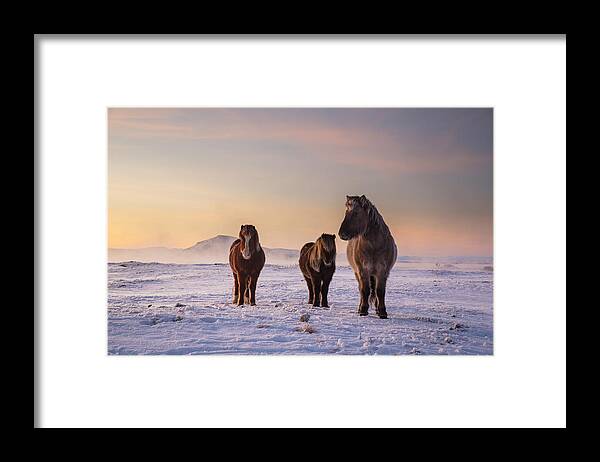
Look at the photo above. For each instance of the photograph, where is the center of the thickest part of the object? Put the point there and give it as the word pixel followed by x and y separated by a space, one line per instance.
pixel 300 231
pixel 249 231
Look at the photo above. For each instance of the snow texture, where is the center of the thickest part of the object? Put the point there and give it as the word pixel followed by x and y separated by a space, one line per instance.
pixel 185 309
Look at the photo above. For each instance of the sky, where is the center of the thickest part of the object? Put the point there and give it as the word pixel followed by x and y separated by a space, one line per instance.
pixel 180 175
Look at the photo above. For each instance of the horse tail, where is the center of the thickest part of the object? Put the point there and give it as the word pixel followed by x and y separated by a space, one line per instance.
pixel 372 294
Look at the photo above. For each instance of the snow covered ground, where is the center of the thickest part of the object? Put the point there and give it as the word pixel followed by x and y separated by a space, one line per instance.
pixel 154 308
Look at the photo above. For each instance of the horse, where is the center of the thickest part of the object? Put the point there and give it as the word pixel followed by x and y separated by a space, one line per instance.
pixel 246 258
pixel 317 263
pixel 371 252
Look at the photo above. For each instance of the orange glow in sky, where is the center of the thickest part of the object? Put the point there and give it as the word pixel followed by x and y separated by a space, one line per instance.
pixel 177 176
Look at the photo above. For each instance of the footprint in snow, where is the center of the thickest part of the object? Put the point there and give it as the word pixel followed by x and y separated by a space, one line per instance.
pixel 208 319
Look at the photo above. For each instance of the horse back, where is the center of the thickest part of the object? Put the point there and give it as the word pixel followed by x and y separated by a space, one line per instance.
pixel 306 247
pixel 304 256
pixel 234 255
pixel 259 260
pixel 234 244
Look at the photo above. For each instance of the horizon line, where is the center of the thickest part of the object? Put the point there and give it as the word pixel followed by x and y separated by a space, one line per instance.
pixel 285 248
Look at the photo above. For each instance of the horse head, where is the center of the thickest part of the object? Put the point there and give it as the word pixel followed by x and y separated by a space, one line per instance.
pixel 249 243
pixel 326 248
pixel 356 219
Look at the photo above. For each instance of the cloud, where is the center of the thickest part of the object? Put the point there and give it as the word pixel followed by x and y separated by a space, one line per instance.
pixel 364 147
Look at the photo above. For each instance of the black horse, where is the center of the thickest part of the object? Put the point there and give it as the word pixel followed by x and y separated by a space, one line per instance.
pixel 317 263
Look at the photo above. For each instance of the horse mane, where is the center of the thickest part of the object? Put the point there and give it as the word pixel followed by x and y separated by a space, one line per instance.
pixel 321 243
pixel 375 218
pixel 254 239
pixel 314 257
pixel 316 254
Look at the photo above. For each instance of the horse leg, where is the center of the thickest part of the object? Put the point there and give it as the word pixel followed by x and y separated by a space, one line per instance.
pixel 316 291
pixel 236 289
pixel 243 284
pixel 365 290
pixel 381 310
pixel 310 290
pixel 247 291
pixel 324 292
pixel 253 281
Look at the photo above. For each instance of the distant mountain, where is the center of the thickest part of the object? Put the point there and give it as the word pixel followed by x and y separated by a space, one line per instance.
pixel 214 250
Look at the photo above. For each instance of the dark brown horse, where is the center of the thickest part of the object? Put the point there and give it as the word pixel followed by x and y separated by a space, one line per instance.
pixel 371 251
pixel 317 263
pixel 246 258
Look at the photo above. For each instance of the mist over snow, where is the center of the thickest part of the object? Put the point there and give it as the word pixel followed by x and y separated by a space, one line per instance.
pixel 214 250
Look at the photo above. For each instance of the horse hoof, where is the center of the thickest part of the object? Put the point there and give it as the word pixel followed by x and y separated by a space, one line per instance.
pixel 382 315
pixel 363 313
pixel 325 306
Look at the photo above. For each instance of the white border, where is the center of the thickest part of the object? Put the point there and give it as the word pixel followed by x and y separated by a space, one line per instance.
pixel 523 384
